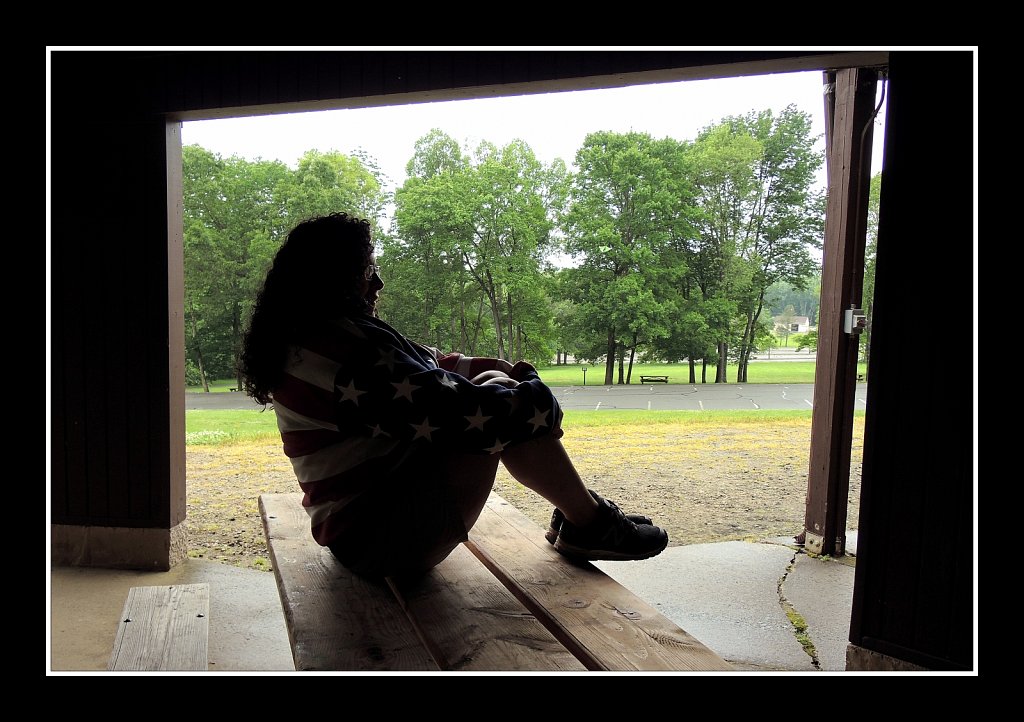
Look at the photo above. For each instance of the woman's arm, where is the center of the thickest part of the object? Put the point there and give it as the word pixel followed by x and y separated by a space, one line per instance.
pixel 388 389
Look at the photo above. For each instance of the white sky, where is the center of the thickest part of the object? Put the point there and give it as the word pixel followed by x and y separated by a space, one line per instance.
pixel 554 124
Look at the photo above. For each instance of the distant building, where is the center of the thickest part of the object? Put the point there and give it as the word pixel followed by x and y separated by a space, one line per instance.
pixel 797 324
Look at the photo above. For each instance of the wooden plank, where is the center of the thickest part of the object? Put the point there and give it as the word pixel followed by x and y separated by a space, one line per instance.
pixel 336 620
pixel 601 622
pixel 163 629
pixel 470 622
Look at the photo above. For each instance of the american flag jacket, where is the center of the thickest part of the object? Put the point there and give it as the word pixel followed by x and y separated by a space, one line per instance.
pixel 357 400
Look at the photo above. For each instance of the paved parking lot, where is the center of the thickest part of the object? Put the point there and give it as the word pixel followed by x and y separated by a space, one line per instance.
pixel 699 397
pixel 651 397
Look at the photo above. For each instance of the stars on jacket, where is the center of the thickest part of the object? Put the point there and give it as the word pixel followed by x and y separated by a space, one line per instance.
pixel 423 429
pixel 477 420
pixel 388 388
pixel 404 389
pixel 350 393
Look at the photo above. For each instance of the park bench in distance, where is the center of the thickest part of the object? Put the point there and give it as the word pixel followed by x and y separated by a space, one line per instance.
pixel 503 600
pixel 653 379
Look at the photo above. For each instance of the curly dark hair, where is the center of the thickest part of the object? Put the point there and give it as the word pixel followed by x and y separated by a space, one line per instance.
pixel 316 276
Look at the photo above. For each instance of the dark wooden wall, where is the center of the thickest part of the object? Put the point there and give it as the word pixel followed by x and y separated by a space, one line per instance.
pixel 913 596
pixel 117 408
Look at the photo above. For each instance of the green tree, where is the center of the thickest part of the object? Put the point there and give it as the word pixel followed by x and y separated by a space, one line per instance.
pixel 870 253
pixel 690 337
pixel 430 294
pixel 556 285
pixel 788 217
pixel 330 181
pixel 509 230
pixel 804 301
pixel 478 227
pixel 807 341
pixel 759 218
pixel 726 191
pixel 232 220
pixel 625 204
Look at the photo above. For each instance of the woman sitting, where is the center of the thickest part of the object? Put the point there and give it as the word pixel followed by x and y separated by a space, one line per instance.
pixel 395 446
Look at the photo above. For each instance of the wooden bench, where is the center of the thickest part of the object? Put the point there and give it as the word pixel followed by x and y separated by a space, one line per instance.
pixel 654 379
pixel 503 600
pixel 163 628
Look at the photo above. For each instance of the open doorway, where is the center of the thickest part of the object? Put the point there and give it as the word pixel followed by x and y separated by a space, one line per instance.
pixel 761 475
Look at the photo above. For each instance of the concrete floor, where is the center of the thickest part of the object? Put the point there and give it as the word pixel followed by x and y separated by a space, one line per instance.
pixel 247 630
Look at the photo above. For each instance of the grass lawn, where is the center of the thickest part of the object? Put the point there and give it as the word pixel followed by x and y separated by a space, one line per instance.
pixel 214 428
pixel 216 386
pixel 758 372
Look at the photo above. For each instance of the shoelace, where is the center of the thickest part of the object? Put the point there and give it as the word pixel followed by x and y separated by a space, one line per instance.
pixel 620 526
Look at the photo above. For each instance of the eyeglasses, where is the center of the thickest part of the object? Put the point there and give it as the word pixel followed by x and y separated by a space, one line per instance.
pixel 371 271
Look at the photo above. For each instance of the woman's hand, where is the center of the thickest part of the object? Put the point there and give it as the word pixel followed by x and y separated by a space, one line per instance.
pixel 521 370
pixel 507 382
pixel 499 378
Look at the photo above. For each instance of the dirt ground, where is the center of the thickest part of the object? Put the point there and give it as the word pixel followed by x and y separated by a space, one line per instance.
pixel 701 483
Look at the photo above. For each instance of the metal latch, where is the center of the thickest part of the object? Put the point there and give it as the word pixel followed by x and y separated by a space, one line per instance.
pixel 854 321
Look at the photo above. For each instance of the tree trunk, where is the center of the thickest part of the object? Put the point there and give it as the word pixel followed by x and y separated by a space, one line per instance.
pixel 199 357
pixel 693 371
pixel 511 344
pixel 495 301
pixel 723 361
pixel 748 348
pixel 746 342
pixel 476 329
pixel 202 372
pixel 499 332
pixel 236 334
pixel 609 364
pixel 621 376
pixel 632 354
pixel 463 326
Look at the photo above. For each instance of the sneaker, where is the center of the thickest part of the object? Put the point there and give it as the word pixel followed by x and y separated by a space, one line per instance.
pixel 610 537
pixel 557 517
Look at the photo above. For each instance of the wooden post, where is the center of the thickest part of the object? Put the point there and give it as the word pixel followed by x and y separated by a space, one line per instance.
pixel 849 118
